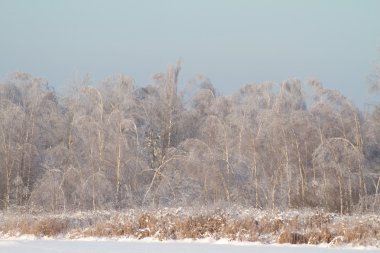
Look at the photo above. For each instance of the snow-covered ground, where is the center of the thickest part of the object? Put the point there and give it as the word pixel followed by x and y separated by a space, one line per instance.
pixel 135 246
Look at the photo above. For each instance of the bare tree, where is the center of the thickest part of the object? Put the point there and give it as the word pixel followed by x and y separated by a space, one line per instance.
pixel 116 145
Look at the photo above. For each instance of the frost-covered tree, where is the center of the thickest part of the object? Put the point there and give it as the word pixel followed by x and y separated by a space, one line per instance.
pixel 116 145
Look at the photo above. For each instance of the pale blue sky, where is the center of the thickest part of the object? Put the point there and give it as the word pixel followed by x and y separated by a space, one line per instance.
pixel 232 42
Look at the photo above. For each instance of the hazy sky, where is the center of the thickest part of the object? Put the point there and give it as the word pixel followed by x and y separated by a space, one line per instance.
pixel 233 42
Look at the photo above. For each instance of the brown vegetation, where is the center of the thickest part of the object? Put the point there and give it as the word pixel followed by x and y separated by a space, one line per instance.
pixel 293 228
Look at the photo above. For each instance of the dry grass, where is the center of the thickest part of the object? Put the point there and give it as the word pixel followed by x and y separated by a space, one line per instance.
pixel 41 227
pixel 292 238
pixel 242 230
pixel 49 227
pixel 320 236
pixel 293 228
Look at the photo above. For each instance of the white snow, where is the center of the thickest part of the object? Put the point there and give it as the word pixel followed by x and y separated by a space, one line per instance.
pixel 95 245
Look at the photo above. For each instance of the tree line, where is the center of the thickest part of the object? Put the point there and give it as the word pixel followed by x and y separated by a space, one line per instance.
pixel 116 145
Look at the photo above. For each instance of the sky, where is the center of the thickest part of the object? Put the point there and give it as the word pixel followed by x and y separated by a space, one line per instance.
pixel 233 43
